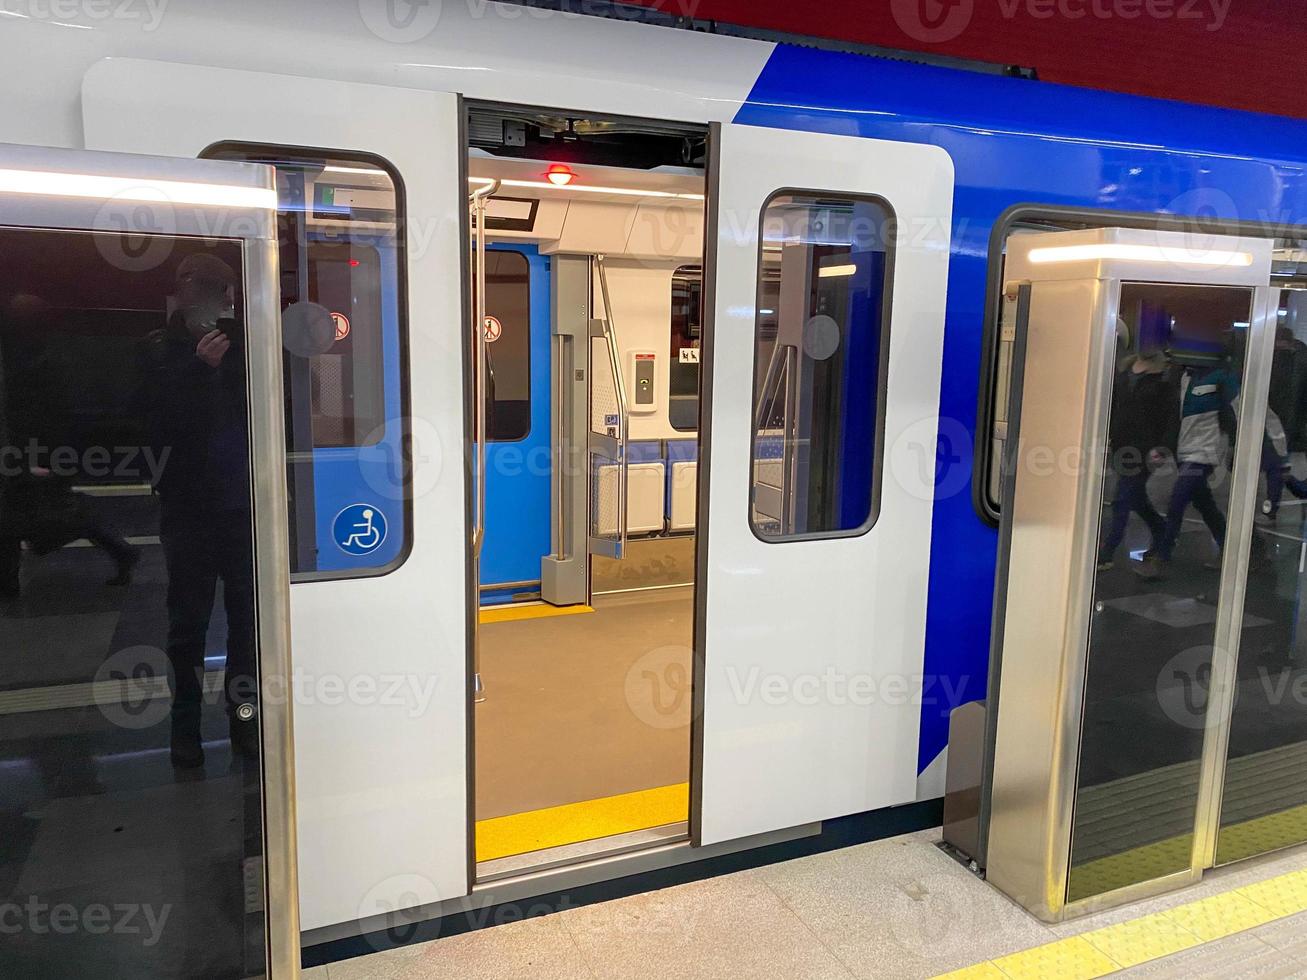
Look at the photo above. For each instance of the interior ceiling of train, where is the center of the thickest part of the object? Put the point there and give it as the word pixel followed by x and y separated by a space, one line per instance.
pixel 613 142
pixel 619 187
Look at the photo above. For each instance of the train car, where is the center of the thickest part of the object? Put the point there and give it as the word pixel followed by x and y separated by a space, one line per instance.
pixel 644 393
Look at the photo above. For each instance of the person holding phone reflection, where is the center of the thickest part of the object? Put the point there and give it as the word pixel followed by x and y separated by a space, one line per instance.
pixel 196 389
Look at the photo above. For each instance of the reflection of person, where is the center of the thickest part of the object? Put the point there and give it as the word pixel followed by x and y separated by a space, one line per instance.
pixel 38 504
pixel 1282 419
pixel 1143 423
pixel 195 387
pixel 1206 394
pixel 1275 464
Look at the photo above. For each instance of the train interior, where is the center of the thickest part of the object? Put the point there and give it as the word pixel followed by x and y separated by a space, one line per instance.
pixel 589 390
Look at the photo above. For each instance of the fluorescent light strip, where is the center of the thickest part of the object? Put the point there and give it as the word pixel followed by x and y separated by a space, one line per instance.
pixel 588 189
pixel 371 171
pixel 837 271
pixel 1138 253
pixel 54 184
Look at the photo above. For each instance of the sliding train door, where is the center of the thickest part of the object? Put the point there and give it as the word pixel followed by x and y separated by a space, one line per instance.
pixel 146 805
pixel 826 275
pixel 371 209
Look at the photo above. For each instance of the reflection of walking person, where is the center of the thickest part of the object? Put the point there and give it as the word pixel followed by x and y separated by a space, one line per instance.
pixel 1205 397
pixel 1282 422
pixel 38 505
pixel 1142 429
pixel 195 390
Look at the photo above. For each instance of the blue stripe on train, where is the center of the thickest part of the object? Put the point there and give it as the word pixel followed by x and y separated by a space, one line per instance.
pixel 1019 142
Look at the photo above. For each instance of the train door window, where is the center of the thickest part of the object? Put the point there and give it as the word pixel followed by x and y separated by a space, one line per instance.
pixel 343 336
pixel 508 355
pixel 687 336
pixel 819 386
pixel 994 439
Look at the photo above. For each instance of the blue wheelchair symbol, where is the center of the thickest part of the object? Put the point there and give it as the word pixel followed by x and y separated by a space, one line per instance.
pixel 359 529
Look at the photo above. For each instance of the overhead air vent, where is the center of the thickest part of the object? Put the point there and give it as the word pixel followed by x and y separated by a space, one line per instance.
pixel 511 214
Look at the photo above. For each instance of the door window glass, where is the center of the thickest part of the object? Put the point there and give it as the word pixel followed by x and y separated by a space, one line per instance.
pixel 339 224
pixel 687 339
pixel 508 353
pixel 819 386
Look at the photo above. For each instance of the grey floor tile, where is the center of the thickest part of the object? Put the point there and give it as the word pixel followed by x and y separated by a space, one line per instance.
pixel 314 973
pixel 1289 934
pixel 534 948
pixel 97 838
pixel 733 926
pixel 902 908
pixel 1259 869
pixel 1240 957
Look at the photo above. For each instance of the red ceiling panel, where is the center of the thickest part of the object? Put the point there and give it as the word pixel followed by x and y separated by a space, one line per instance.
pixel 1245 54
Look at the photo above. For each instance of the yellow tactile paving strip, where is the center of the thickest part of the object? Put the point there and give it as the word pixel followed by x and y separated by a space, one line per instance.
pixel 1107 874
pixel 572 823
pixel 1151 937
pixel 1262 835
pixel 508 614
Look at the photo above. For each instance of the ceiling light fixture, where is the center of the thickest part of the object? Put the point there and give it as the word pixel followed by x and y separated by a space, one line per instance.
pixel 559 174
pixel 1139 253
pixel 588 189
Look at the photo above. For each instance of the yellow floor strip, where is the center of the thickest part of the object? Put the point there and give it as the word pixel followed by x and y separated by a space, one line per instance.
pixel 1262 835
pixel 1151 937
pixel 572 823
pixel 1250 838
pixel 508 614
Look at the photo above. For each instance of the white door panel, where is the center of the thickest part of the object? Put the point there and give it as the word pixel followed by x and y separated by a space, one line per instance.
pixel 812 710
pixel 382 785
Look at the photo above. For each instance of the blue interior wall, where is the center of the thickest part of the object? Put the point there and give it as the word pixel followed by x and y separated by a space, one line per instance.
pixel 518 486
pixel 372 475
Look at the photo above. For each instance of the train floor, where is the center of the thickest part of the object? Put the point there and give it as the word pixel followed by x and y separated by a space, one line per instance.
pixel 893 908
pixel 584 731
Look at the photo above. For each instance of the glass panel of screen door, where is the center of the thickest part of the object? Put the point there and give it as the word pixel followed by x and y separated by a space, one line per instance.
pixel 1165 497
pixel 130 805
pixel 1265 800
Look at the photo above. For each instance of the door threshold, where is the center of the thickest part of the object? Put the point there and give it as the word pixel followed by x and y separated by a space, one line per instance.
pixel 565 854
pixel 511 612
pixel 646 588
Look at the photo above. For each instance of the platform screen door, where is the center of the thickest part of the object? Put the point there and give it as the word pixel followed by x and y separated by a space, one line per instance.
pixel 145 811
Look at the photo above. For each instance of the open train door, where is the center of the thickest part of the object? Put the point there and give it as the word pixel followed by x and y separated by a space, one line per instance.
pixel 379 603
pixel 826 273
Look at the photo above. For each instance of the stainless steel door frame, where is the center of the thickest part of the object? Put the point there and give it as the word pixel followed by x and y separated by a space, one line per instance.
pixel 80 190
pixel 1055 536
pixel 1234 574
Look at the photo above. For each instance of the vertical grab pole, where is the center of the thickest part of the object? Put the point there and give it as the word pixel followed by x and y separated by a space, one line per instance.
pixel 623 415
pixel 479 197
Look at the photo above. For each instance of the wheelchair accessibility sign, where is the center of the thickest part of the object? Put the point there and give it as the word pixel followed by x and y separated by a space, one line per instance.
pixel 359 529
